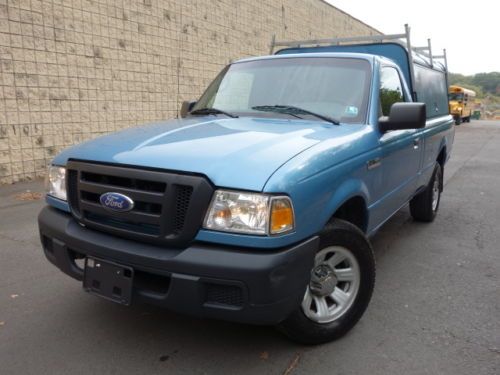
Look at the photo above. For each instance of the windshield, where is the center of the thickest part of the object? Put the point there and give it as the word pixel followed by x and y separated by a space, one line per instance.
pixel 332 87
pixel 456 96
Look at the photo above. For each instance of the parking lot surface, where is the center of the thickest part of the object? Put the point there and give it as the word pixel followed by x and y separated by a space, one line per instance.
pixel 435 308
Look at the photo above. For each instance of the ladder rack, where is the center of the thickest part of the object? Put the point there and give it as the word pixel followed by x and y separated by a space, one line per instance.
pixel 424 52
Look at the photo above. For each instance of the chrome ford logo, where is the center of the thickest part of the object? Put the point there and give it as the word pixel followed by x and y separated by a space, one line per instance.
pixel 116 202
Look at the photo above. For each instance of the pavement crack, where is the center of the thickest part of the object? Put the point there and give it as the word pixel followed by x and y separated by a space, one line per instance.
pixel 494 350
pixel 293 364
pixel 478 238
pixel 469 341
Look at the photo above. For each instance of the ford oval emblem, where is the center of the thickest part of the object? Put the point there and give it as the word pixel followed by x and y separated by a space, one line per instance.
pixel 116 202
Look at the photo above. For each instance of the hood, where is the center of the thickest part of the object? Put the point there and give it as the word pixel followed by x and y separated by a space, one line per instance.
pixel 235 153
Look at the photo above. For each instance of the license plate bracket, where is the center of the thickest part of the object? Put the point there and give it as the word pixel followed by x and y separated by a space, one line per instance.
pixel 108 280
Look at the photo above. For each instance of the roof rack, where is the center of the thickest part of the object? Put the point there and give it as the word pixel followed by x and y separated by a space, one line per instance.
pixel 424 52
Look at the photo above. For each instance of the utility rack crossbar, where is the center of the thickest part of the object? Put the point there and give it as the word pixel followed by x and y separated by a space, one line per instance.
pixel 424 52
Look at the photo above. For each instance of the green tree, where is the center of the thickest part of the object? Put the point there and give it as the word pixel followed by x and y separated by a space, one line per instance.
pixel 388 98
pixel 482 83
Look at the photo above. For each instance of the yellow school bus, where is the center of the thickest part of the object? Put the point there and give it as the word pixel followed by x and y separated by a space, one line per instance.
pixel 461 102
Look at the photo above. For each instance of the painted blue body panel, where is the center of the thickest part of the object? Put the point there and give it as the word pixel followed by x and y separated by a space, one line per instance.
pixel 238 153
pixel 57 203
pixel 319 165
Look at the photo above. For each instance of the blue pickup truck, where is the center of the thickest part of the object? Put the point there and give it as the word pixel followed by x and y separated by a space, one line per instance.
pixel 257 205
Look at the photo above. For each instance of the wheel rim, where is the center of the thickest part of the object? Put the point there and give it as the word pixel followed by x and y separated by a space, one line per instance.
pixel 435 192
pixel 334 285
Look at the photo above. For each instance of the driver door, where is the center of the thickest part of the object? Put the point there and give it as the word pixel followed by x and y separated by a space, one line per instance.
pixel 401 151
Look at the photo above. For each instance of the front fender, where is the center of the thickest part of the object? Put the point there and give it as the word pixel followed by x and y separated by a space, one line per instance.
pixel 316 198
pixel 348 189
pixel 322 178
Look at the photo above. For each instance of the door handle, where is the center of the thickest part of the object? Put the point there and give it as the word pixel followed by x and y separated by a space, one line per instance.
pixel 373 163
pixel 416 143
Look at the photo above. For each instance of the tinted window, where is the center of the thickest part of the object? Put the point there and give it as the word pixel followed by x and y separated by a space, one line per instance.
pixel 334 87
pixel 431 89
pixel 391 90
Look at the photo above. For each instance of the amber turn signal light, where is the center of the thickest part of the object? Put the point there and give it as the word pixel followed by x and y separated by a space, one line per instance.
pixel 281 216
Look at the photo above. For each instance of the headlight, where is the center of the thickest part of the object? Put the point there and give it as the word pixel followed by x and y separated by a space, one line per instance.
pixel 249 213
pixel 56 182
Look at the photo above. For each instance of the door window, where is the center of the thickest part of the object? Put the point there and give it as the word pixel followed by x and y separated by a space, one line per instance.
pixel 391 90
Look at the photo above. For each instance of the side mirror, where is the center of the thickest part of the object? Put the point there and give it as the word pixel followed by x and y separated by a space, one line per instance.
pixel 186 107
pixel 404 116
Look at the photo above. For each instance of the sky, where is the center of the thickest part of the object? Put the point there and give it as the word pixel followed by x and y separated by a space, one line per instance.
pixel 470 31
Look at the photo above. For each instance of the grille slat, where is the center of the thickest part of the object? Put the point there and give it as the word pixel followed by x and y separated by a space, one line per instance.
pixel 139 206
pixel 168 208
pixel 125 182
pixel 118 223
pixel 140 195
pixel 133 217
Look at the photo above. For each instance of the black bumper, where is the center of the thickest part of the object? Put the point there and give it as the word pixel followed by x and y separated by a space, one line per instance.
pixel 258 286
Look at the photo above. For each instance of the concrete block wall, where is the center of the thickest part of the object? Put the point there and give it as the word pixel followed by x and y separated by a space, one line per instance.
pixel 71 70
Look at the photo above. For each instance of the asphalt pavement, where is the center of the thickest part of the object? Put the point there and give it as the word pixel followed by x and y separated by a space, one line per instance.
pixel 435 308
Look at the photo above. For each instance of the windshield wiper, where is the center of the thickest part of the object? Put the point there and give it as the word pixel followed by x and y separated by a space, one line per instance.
pixel 277 109
pixel 293 110
pixel 212 111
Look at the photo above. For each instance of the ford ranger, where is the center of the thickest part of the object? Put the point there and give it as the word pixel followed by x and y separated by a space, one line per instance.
pixel 257 205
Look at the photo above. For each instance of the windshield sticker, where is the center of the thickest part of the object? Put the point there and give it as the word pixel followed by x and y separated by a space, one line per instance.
pixel 351 110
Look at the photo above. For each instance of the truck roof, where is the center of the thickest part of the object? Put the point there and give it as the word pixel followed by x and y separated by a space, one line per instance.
pixel 353 55
pixel 364 56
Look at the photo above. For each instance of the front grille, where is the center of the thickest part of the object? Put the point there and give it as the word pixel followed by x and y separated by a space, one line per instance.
pixel 168 208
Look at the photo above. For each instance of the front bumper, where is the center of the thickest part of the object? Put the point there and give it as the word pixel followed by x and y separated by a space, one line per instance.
pixel 258 286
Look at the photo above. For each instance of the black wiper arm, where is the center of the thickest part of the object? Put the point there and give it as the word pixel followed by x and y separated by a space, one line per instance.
pixel 274 108
pixel 295 110
pixel 318 115
pixel 212 111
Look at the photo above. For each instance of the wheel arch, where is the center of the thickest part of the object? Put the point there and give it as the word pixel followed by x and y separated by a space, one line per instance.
pixel 350 203
pixel 442 155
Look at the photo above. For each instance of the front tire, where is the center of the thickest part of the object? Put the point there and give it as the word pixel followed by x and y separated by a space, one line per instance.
pixel 341 286
pixel 424 206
